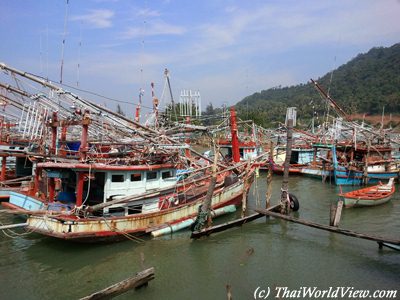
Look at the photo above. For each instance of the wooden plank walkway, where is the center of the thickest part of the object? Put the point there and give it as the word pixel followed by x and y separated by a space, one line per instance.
pixel 234 223
pixel 378 239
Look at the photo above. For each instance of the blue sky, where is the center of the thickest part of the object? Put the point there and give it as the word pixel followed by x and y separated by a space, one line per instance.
pixel 225 49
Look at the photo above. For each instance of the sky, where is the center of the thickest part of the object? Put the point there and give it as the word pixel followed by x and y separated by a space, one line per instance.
pixel 224 49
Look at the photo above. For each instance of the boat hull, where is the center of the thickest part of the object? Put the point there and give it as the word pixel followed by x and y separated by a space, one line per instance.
pixel 344 176
pixel 351 202
pixel 315 172
pixel 370 196
pixel 99 229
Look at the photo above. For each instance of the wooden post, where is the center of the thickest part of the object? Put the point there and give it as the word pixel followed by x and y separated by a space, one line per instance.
pixel 54 133
pixel 206 207
pixel 366 163
pixel 63 139
pixel 338 213
pixel 79 188
pixel 3 168
pixel 52 189
pixel 285 181
pixel 140 279
pixel 84 140
pixel 245 188
pixel 332 214
pixel 269 175
pixel 37 180
pixel 235 139
pixel 228 292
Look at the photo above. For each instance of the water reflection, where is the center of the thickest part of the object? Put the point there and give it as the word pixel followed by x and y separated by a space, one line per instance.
pixel 266 252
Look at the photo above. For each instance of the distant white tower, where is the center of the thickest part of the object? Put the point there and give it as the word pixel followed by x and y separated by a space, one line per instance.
pixel 190 103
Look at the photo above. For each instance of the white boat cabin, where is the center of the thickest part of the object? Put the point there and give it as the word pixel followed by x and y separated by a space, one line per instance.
pixel 104 185
pixel 120 184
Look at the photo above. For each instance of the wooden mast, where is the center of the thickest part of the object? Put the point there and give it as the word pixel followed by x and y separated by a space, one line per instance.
pixel 234 133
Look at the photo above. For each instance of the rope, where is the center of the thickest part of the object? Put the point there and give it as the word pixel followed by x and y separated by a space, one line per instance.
pixel 127 235
pixel 88 189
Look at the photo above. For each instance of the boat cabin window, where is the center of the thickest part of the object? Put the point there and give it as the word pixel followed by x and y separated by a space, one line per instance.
pixel 166 174
pixel 136 177
pixel 151 175
pixel 118 178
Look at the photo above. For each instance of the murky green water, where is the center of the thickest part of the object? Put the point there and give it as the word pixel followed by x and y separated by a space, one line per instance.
pixel 259 254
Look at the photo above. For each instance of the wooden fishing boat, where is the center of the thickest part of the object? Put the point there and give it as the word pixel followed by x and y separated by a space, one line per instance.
pixel 95 197
pixel 125 200
pixel 370 196
pixel 349 165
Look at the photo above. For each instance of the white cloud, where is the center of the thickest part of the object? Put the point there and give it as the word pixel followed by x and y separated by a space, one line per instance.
pixel 98 18
pixel 153 28
pixel 148 13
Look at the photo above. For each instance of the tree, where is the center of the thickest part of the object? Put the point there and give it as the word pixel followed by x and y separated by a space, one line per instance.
pixel 209 109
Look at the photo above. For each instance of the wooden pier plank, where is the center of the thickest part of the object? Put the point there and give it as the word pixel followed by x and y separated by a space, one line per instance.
pixel 330 228
pixel 230 224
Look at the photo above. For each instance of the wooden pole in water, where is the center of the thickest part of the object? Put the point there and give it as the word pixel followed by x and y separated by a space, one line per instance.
pixel 140 279
pixel 206 207
pixel 285 181
pixel 269 175
pixel 366 162
pixel 245 188
pixel 338 213
pixel 332 213
pixel 228 292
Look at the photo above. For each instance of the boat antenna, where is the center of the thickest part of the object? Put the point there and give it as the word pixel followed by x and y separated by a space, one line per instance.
pixel 138 106
pixel 155 105
pixel 63 41
pixel 79 55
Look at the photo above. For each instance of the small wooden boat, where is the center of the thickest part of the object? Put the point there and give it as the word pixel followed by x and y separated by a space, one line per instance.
pixel 370 196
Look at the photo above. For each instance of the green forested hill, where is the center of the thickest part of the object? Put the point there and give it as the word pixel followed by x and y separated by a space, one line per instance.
pixel 363 85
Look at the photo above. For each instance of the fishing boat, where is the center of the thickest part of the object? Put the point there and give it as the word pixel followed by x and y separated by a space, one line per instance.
pixel 369 196
pixel 300 157
pixel 355 164
pixel 102 196
pixel 111 202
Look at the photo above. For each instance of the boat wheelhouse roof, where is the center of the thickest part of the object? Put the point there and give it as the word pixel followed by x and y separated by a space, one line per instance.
pixel 104 167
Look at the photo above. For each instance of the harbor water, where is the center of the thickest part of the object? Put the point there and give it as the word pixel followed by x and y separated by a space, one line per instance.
pixel 259 255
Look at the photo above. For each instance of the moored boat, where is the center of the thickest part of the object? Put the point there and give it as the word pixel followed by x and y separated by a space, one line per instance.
pixel 370 196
